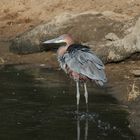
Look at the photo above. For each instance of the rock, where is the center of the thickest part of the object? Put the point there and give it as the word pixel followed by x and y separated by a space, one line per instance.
pixel 85 27
pixel 89 28
pixel 115 15
pixel 136 72
pixel 2 60
pixel 121 49
pixel 111 37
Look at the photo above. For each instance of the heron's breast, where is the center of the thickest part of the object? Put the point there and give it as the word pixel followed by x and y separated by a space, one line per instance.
pixel 75 75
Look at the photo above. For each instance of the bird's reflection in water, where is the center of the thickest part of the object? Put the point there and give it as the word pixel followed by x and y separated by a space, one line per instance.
pixel 86 129
pixel 79 129
pixel 102 128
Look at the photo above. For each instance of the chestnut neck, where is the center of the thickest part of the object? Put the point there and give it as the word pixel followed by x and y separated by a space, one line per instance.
pixel 63 49
pixel 69 42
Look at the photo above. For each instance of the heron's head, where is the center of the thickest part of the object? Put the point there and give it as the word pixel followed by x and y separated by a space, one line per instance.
pixel 66 38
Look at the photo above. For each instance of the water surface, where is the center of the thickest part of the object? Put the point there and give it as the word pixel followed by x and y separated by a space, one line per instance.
pixel 39 104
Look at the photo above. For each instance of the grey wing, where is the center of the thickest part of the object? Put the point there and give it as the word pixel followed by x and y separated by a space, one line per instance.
pixel 86 63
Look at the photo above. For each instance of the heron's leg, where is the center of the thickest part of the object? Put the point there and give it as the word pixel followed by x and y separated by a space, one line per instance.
pixel 77 95
pixel 86 95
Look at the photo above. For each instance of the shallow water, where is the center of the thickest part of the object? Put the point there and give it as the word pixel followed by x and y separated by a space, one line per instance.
pixel 38 103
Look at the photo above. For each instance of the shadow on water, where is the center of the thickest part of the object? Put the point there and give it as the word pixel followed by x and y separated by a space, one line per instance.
pixel 40 104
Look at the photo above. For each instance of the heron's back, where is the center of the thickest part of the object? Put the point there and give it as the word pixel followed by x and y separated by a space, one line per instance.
pixel 81 60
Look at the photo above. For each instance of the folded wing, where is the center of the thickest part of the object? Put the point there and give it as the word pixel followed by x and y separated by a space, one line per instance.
pixel 84 62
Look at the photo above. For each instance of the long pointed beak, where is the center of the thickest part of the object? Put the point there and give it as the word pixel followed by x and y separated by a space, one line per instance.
pixel 55 40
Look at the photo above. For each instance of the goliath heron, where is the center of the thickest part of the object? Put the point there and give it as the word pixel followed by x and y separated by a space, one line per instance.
pixel 80 63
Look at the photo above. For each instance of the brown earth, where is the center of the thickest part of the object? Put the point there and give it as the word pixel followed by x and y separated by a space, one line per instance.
pixel 17 16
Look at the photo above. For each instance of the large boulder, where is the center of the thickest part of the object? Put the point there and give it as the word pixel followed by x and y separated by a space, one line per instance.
pixel 119 49
pixel 85 27
pixel 105 35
